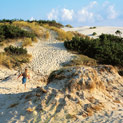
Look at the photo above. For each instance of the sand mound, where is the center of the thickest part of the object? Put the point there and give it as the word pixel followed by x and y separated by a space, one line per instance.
pixel 99 30
pixel 84 78
pixel 76 94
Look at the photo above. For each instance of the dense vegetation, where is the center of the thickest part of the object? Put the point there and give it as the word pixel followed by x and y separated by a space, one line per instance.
pixel 107 49
pixel 68 25
pixel 15 50
pixel 11 32
pixel 50 23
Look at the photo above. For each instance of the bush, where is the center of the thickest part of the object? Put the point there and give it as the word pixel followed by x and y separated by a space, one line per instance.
pixel 50 23
pixel 11 32
pixel 93 27
pixel 106 49
pixel 15 50
pixel 118 32
pixel 68 25
pixel 94 33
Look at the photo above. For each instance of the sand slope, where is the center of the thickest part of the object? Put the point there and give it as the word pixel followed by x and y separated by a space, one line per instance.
pixel 99 30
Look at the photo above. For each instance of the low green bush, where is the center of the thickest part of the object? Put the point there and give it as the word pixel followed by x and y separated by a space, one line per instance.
pixel 15 50
pixel 11 32
pixel 107 49
pixel 68 25
pixel 94 33
pixel 118 32
pixel 93 27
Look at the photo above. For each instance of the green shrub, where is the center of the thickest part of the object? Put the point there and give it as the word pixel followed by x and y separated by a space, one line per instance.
pixel 68 25
pixel 106 49
pixel 15 50
pixel 93 27
pixel 11 32
pixel 94 33
pixel 118 32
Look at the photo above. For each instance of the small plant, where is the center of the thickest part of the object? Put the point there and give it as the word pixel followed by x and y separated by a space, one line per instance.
pixel 118 32
pixel 35 39
pixel 68 25
pixel 47 35
pixel 93 27
pixel 94 33
pixel 27 42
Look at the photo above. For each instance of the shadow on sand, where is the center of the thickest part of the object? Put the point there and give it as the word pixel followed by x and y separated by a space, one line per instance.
pixel 12 107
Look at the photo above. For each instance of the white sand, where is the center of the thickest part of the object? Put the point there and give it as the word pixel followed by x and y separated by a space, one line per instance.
pixel 48 56
pixel 99 30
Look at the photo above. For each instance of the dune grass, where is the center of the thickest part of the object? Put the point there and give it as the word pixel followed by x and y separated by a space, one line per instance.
pixel 62 35
pixel 34 27
pixel 81 60
pixel 47 35
pixel 27 42
pixel 13 61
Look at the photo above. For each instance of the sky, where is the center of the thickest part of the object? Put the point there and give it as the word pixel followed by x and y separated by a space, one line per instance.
pixel 74 12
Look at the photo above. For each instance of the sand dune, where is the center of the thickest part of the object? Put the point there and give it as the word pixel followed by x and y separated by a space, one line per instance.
pixel 99 30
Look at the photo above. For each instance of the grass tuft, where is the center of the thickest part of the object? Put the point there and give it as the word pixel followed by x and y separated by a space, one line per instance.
pixel 27 42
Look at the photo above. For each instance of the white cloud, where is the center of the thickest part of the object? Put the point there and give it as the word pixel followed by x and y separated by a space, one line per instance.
pixel 112 14
pixel 53 15
pixel 67 14
pixel 93 13
pixel 84 15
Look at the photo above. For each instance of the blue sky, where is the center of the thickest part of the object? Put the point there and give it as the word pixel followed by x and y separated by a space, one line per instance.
pixel 74 12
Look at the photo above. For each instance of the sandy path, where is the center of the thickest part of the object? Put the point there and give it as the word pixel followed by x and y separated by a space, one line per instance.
pixel 48 56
